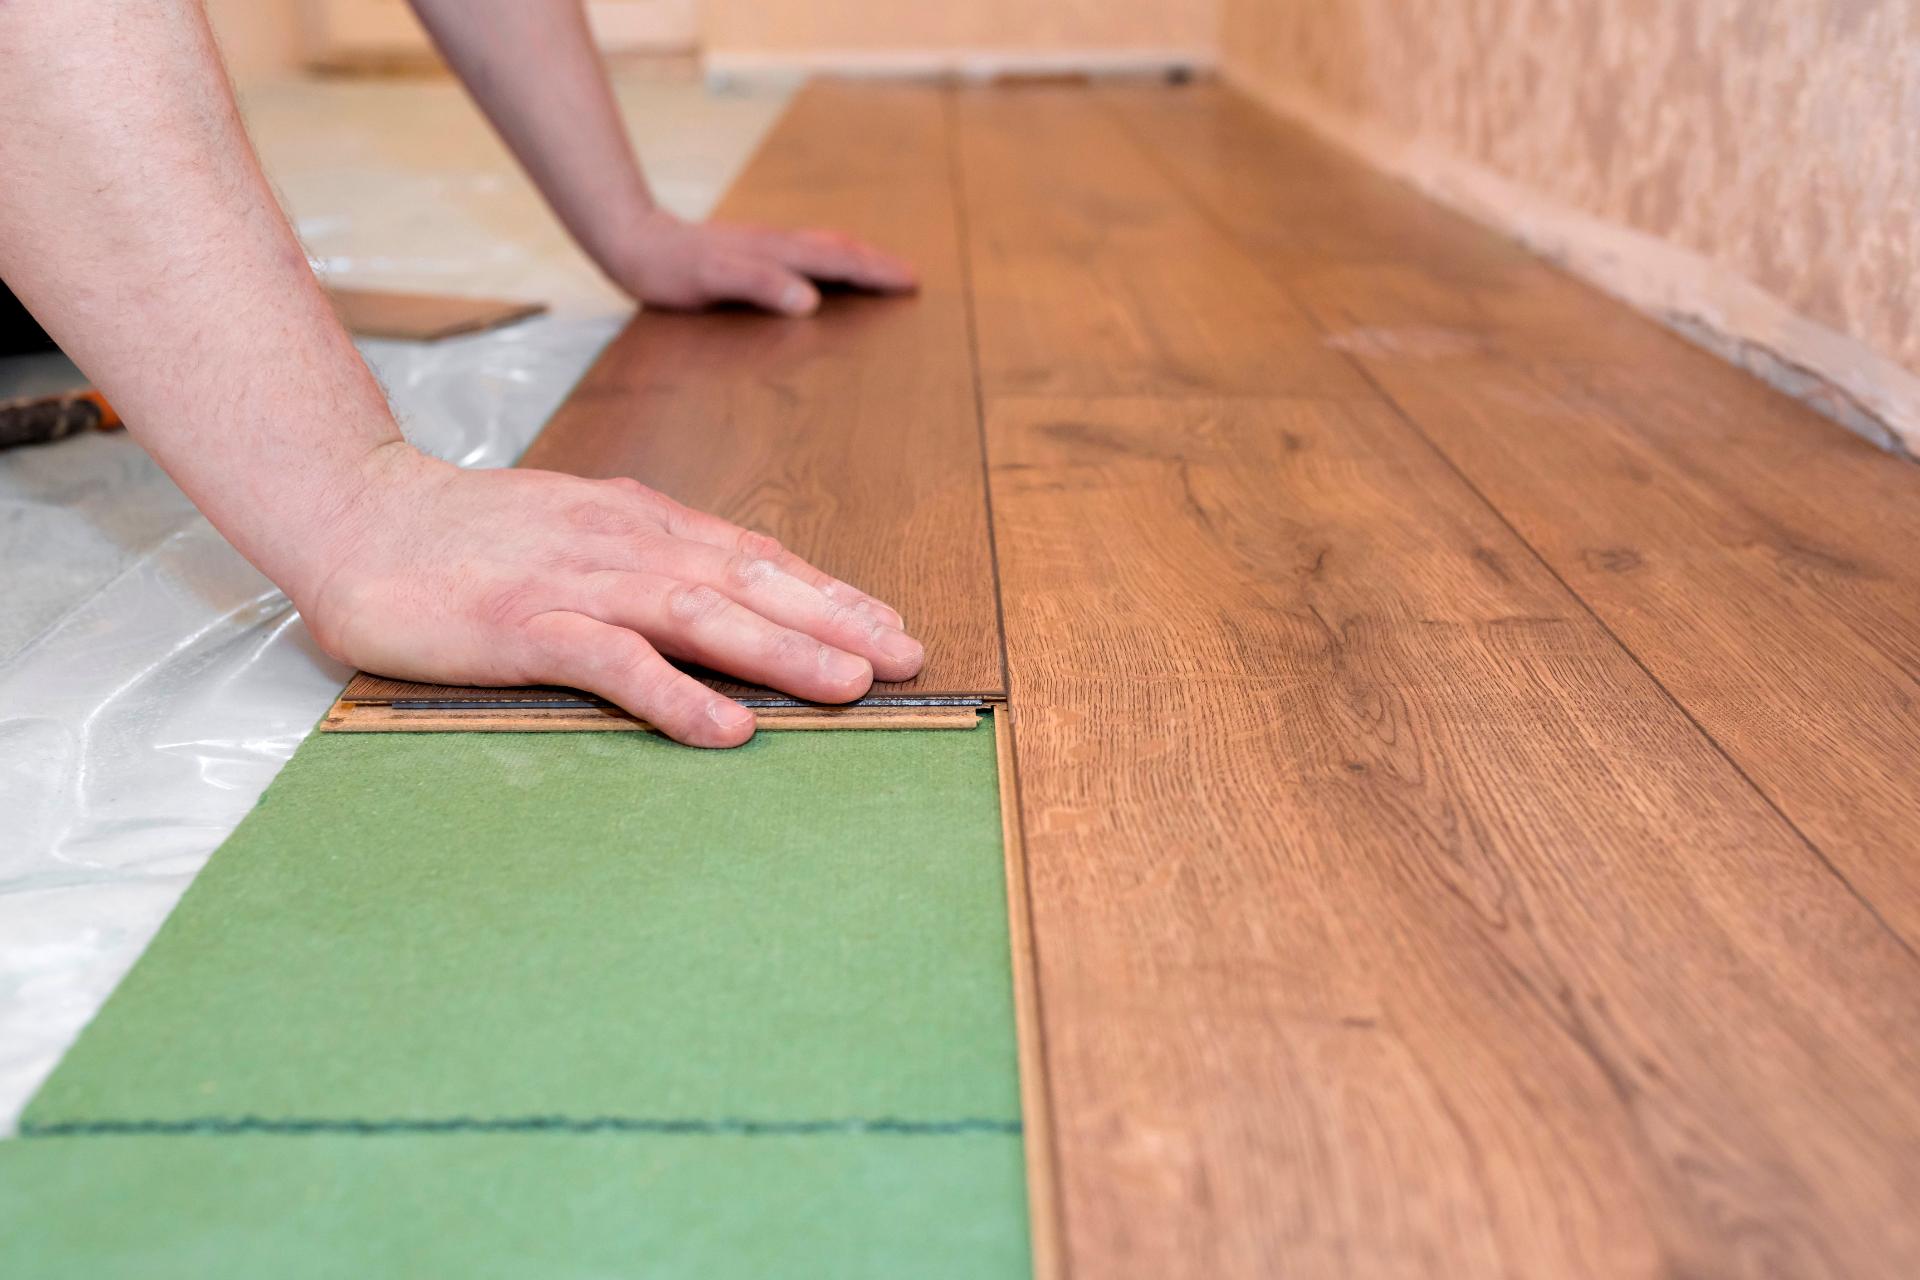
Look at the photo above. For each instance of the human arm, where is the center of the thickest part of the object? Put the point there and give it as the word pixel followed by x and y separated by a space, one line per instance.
pixel 533 68
pixel 136 225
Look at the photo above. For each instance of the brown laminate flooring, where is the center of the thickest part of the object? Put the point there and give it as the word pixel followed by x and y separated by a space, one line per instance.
pixel 1467 738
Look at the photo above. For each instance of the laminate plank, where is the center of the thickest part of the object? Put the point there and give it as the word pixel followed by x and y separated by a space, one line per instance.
pixel 1755 556
pixel 1389 918
pixel 1332 231
pixel 1323 206
pixel 1063 208
pixel 852 436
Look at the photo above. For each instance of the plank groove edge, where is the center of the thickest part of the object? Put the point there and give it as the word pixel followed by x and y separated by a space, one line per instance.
pixel 1043 1200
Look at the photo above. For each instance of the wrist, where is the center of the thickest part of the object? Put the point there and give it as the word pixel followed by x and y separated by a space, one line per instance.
pixel 629 253
pixel 366 498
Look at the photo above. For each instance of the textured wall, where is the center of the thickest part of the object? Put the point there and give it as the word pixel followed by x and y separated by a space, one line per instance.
pixel 1777 139
pixel 830 26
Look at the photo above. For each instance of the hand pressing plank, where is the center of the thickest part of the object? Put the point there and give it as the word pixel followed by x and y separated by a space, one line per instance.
pixel 534 577
pixel 684 266
pixel 535 72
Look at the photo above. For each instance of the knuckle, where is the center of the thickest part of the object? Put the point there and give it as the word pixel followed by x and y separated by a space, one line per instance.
pixel 646 545
pixel 692 603
pixel 744 572
pixel 848 615
pixel 676 519
pixel 574 561
pixel 759 545
pixel 594 515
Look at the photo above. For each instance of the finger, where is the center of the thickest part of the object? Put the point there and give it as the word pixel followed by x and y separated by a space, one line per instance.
pixel 701 526
pixel 700 623
pixel 828 255
pixel 778 596
pixel 616 664
pixel 740 277
pixel 766 589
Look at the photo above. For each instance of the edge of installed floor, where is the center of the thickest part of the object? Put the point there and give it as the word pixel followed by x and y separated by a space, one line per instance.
pixel 1713 307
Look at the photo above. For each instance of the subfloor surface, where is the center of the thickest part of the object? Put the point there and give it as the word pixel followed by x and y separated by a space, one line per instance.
pixel 559 1004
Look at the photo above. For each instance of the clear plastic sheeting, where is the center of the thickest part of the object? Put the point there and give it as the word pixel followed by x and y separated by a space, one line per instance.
pixel 151 681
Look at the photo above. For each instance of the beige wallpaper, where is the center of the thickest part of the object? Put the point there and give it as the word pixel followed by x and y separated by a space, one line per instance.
pixel 832 26
pixel 1779 140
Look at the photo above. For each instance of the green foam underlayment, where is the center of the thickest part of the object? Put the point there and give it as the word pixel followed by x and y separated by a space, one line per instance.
pixel 559 1004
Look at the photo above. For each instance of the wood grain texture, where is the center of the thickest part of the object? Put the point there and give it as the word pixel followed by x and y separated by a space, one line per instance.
pixel 1390 919
pixel 1101 280
pixel 852 436
pixel 423 317
pixel 1751 553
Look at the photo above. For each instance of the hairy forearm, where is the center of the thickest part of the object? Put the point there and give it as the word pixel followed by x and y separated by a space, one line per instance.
pixel 136 225
pixel 533 68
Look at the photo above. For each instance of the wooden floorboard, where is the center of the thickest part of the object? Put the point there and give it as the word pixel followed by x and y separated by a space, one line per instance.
pixel 852 436
pixel 1758 558
pixel 1140 297
pixel 1389 917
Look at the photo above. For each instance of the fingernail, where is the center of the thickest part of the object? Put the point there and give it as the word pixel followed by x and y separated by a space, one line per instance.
pixel 900 646
pixel 843 667
pixel 799 299
pixel 730 716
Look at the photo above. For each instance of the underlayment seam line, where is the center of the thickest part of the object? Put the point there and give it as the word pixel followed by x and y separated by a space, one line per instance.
pixel 721 1126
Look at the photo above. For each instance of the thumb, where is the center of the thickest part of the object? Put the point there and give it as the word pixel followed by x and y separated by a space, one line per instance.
pixel 766 284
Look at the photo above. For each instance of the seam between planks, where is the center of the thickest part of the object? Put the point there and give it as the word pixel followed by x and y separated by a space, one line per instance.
pixel 1223 228
pixel 1719 748
pixel 956 190
pixel 1046 1206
